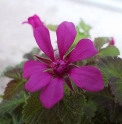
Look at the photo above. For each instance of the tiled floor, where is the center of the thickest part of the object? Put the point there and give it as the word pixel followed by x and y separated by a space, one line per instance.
pixel 16 39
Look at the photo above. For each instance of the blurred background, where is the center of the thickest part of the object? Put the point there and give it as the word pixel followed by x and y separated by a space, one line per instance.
pixel 104 16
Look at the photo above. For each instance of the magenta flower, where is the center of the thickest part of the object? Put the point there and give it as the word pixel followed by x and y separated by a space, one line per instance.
pixel 112 41
pixel 34 21
pixel 49 75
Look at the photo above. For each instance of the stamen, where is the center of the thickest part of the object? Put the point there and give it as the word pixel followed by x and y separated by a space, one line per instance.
pixel 59 67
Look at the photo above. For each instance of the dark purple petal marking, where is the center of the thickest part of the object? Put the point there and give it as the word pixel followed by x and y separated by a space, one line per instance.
pixel 44 60
pixel 68 82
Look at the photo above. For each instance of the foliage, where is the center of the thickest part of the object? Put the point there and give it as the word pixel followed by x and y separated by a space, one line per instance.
pixel 16 84
pixel 29 55
pixel 15 73
pixel 10 110
pixel 110 50
pixel 52 27
pixel 100 42
pixel 82 31
pixel 72 109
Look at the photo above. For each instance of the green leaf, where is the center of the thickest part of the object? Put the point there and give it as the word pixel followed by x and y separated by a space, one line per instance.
pixel 16 85
pixel 79 35
pixel 10 105
pixel 71 109
pixel 109 51
pixel 84 26
pixel 116 114
pixel 15 73
pixel 14 117
pixel 30 55
pixel 31 108
pixel 5 120
pixel 104 101
pixel 82 32
pixel 100 41
pixel 89 109
pixel 20 65
pixel 12 88
pixel 52 27
pixel 116 89
pixel 17 112
pixel 110 67
pixel 67 111
pixel 17 119
pixel 5 70
pixel 103 98
pixel 35 113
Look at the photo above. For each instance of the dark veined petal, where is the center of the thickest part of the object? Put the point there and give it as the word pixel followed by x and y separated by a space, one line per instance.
pixel 31 67
pixel 42 37
pixel 66 33
pixel 83 50
pixel 52 93
pixel 38 81
pixel 44 60
pixel 68 82
pixel 34 21
pixel 88 78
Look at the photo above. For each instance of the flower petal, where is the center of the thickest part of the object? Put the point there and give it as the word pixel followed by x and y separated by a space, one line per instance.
pixel 38 81
pixel 83 50
pixel 66 33
pixel 32 67
pixel 52 93
pixel 34 21
pixel 88 78
pixel 42 37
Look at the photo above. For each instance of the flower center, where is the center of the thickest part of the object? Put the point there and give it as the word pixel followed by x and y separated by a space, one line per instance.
pixel 59 66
